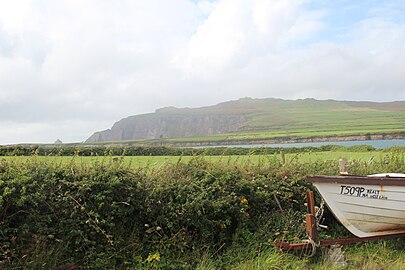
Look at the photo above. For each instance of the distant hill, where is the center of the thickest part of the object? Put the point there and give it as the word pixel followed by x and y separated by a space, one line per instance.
pixel 249 118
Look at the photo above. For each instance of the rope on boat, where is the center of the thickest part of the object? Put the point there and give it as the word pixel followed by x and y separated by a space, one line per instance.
pixel 320 210
pixel 313 245
pixel 319 215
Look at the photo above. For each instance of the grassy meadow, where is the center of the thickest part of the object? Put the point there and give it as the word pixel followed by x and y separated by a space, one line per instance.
pixel 136 162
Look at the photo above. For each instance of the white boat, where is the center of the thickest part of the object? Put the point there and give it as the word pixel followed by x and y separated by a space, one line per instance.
pixel 367 206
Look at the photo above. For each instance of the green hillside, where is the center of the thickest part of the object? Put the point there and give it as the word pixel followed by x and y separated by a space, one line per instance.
pixel 261 119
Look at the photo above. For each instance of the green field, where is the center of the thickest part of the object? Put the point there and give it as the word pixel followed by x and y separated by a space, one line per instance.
pixel 159 161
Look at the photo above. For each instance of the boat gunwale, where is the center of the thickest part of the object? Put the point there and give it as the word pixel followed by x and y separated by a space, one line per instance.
pixel 357 180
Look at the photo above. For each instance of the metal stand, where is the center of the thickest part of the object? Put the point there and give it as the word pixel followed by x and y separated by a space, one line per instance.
pixel 312 232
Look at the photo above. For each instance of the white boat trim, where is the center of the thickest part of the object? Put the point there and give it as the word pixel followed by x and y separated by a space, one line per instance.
pixel 401 175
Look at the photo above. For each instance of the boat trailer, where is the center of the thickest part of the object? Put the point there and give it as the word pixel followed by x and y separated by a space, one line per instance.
pixel 313 241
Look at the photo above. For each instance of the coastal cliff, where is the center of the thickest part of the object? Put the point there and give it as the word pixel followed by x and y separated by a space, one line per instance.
pixel 262 121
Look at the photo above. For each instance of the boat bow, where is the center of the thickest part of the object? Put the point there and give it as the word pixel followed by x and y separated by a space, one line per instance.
pixel 366 206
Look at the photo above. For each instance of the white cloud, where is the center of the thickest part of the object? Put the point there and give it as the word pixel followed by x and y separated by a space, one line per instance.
pixel 47 132
pixel 69 68
pixel 237 31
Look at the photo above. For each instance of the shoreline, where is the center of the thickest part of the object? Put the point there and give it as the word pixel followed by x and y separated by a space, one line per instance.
pixel 232 142
pixel 263 141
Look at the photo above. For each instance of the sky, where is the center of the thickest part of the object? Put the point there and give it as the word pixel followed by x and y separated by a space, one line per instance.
pixel 69 68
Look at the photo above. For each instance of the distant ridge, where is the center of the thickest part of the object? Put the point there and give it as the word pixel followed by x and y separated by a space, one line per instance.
pixel 260 118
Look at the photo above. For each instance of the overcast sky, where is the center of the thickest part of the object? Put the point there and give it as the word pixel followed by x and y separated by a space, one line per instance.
pixel 69 68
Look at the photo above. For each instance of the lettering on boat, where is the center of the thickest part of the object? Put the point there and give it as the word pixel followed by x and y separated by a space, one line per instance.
pixel 359 191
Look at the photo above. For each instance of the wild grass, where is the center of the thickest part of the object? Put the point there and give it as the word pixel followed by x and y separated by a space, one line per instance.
pixel 380 255
pixel 161 161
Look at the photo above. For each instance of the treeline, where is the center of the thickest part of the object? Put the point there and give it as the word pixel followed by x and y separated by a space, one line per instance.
pixel 21 150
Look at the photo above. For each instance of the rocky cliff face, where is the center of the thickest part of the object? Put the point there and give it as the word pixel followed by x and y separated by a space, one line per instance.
pixel 160 125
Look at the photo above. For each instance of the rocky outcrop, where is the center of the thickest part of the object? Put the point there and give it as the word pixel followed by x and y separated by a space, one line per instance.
pixel 159 125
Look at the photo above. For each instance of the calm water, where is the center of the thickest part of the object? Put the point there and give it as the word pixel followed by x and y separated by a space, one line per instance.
pixel 374 143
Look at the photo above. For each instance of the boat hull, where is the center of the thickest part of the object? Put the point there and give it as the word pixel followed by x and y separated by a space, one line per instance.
pixel 366 206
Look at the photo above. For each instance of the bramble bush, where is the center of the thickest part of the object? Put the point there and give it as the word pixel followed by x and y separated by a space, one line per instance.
pixel 105 215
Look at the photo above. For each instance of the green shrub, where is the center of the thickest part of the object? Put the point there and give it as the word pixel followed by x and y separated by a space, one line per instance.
pixel 104 215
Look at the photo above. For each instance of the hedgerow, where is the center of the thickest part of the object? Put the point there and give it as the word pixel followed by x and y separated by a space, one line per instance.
pixel 108 216
pixel 65 150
